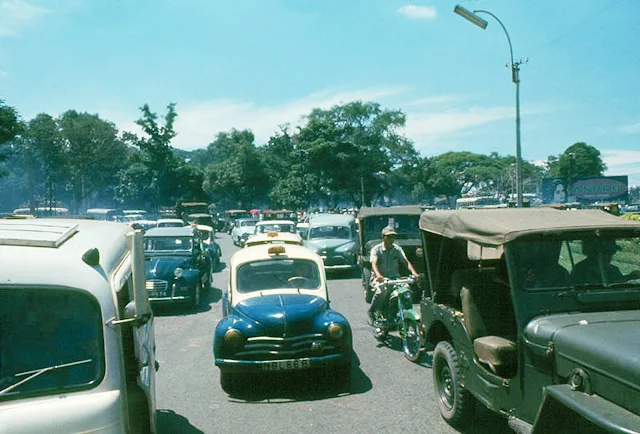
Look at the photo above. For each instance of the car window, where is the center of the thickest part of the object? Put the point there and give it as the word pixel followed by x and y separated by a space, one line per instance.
pixel 168 244
pixel 276 274
pixel 45 328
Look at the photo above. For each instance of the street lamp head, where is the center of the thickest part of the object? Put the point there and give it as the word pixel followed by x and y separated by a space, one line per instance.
pixel 470 16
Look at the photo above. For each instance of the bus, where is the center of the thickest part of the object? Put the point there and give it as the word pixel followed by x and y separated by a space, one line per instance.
pixel 477 202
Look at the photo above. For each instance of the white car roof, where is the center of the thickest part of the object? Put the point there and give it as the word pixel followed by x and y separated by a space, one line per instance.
pixel 274 238
pixel 275 222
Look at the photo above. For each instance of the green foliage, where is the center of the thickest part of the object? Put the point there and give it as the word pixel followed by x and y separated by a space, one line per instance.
pixel 577 161
pixel 10 125
pixel 238 176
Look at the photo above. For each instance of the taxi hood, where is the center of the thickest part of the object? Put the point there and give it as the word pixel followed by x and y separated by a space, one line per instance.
pixel 280 313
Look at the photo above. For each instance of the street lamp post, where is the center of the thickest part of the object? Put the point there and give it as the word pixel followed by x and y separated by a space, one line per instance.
pixel 515 77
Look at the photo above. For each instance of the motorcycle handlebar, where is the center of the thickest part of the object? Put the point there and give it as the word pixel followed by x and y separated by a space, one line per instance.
pixel 400 281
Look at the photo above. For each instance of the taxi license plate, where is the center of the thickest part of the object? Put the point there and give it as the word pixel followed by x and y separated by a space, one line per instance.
pixel 155 294
pixel 286 365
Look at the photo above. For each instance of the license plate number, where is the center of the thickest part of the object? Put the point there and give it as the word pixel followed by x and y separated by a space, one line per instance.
pixel 286 365
pixel 154 294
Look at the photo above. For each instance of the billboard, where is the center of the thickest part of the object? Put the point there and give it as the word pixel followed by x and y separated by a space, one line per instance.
pixel 586 190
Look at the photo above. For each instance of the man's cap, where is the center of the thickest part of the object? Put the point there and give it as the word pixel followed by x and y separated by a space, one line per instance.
pixel 388 231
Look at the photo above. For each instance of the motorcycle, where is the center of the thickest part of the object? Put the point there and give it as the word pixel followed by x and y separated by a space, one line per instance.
pixel 399 315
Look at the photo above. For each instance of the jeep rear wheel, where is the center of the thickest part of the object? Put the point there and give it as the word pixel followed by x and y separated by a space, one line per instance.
pixel 456 404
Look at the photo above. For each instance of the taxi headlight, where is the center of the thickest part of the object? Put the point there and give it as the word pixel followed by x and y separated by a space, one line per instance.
pixel 233 339
pixel 178 272
pixel 336 331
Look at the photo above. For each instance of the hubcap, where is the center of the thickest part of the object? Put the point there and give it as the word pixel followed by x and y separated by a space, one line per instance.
pixel 445 388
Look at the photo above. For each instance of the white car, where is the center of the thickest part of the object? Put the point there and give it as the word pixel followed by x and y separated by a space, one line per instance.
pixel 279 226
pixel 273 238
pixel 242 228
pixel 170 223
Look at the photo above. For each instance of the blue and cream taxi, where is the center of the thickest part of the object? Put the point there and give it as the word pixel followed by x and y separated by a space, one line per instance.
pixel 276 317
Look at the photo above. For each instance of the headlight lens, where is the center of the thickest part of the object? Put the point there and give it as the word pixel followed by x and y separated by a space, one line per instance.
pixel 336 331
pixel 233 339
pixel 178 272
pixel 348 248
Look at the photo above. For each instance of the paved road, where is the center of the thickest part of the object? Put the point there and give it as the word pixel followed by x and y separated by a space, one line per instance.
pixel 387 394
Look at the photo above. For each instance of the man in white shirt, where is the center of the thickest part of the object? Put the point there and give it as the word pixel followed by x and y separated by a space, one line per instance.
pixel 386 258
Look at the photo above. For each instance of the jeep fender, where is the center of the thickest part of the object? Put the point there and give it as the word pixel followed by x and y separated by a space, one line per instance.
pixel 579 411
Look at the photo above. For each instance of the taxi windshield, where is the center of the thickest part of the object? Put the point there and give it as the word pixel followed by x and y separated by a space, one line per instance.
pixel 277 274
pixel 50 342
pixel 577 262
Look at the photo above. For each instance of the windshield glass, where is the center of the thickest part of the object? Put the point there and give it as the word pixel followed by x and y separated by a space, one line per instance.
pixel 168 244
pixel 260 229
pixel 320 232
pixel 405 225
pixel 277 274
pixel 47 329
pixel 577 262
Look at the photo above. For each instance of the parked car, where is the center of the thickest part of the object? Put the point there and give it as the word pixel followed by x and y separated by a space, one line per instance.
pixel 536 314
pixel 176 265
pixel 276 317
pixel 404 219
pixel 169 223
pixel 77 346
pixel 242 228
pixel 335 238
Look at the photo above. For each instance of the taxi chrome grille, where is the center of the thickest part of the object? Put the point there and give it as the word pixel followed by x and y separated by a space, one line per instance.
pixel 156 285
pixel 274 348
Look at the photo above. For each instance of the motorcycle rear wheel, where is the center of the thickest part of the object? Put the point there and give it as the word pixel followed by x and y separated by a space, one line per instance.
pixel 411 340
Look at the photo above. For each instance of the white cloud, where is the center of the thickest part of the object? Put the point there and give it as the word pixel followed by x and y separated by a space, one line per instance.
pixel 198 123
pixel 622 162
pixel 418 12
pixel 630 129
pixel 15 14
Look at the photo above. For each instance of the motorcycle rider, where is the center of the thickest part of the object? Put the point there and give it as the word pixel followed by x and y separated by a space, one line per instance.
pixel 386 259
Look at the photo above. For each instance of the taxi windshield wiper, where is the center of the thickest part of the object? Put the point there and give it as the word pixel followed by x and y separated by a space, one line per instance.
pixel 37 372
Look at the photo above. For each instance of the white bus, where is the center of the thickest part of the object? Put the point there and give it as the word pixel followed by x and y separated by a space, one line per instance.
pixel 477 202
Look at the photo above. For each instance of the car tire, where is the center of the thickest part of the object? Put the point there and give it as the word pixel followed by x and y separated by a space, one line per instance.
pixel 342 376
pixel 366 284
pixel 197 296
pixel 456 404
pixel 411 340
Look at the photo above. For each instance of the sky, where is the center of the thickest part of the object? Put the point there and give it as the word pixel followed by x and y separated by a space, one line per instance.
pixel 260 64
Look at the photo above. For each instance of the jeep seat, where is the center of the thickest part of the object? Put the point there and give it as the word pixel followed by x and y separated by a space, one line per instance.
pixel 489 320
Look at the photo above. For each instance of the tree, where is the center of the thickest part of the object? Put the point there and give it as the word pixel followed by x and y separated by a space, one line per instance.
pixel 238 176
pixel 10 125
pixel 577 161
pixel 93 154
pixel 348 144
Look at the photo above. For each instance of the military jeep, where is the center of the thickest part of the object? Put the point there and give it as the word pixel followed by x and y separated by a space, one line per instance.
pixel 534 313
pixel 404 219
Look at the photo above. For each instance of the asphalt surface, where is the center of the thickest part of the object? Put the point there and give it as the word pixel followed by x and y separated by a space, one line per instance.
pixel 387 392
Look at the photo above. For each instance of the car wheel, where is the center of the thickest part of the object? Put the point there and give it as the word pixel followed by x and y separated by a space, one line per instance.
pixel 342 376
pixel 411 340
pixel 197 293
pixel 366 284
pixel 456 404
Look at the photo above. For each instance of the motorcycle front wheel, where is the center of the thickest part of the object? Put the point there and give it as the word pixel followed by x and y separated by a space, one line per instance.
pixel 411 340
